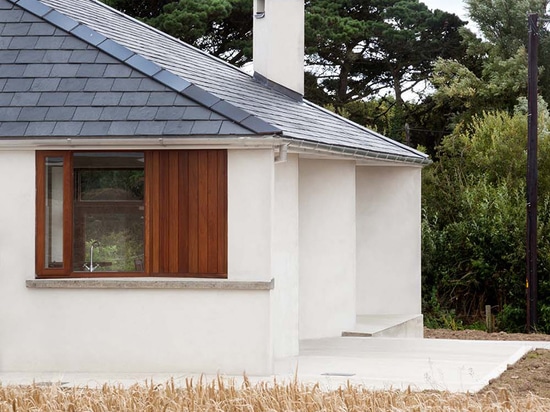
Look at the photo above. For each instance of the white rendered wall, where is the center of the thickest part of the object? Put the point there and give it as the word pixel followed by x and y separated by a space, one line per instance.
pixel 134 330
pixel 250 194
pixel 388 240
pixel 327 247
pixel 285 259
pixel 279 43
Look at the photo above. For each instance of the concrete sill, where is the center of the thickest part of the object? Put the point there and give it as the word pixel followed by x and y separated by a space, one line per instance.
pixel 149 283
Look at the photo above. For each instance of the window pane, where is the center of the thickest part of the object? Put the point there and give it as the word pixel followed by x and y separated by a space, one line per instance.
pixel 108 212
pixel 54 212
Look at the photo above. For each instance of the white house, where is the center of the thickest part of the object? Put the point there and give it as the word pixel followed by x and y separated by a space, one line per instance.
pixel 162 210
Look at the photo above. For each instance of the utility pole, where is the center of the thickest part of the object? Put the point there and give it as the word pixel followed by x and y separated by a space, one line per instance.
pixel 532 173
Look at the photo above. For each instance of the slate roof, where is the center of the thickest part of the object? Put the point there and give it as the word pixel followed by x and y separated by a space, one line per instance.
pixel 63 41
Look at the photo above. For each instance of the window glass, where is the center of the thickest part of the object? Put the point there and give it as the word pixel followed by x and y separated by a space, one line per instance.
pixel 54 212
pixel 108 212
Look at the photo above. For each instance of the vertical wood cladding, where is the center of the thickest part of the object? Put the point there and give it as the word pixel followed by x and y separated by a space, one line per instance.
pixel 187 212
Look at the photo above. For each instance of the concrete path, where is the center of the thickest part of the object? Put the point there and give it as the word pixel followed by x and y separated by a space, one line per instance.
pixel 375 363
pixel 383 363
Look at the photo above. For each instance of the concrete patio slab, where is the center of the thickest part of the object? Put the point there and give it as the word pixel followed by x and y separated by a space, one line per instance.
pixel 374 363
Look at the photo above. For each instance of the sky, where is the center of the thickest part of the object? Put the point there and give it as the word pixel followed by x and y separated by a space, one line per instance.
pixel 452 6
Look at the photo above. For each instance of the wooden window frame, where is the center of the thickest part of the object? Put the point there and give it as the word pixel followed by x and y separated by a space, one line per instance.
pixel 188 186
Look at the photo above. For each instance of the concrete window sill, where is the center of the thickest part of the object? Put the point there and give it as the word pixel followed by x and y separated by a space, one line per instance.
pixel 149 283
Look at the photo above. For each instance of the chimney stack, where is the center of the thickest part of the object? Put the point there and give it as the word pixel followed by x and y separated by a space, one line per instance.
pixel 279 43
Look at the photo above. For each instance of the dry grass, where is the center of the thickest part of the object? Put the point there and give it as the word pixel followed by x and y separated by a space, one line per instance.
pixel 220 395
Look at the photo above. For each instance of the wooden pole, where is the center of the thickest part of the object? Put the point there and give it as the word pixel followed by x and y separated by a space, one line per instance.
pixel 532 174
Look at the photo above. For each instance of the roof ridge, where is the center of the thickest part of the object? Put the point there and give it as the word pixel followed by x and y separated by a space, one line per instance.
pixel 147 67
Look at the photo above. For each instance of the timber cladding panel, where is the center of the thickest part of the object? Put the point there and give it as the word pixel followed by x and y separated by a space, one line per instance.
pixel 186 210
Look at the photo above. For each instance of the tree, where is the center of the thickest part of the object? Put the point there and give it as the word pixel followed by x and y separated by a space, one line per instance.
pixel 140 8
pixel 358 49
pixel 493 73
pixel 474 220
pixel 223 28
pixel 503 23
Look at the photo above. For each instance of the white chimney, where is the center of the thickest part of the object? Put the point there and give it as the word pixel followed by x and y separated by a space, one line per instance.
pixel 279 42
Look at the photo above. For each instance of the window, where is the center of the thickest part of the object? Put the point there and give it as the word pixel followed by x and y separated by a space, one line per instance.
pixel 146 213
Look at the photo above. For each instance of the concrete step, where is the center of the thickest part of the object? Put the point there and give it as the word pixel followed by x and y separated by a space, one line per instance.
pixel 388 326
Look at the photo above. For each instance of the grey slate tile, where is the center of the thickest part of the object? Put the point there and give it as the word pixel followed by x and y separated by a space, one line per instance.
pixel 117 70
pixel 83 56
pixel 122 128
pixel 151 85
pixel 25 99
pixel 65 70
pixel 6 98
pixel 11 70
pixel 107 99
pixel 60 20
pixel 134 99
pixel 49 42
pixel 197 113
pixel 17 85
pixel 40 129
pixel 115 49
pixel 172 81
pixel 233 128
pixel 11 16
pixel 126 85
pixel 79 99
pixel 171 113
pixel 57 56
pixel 105 58
pixel 14 129
pixel 60 113
pixel 23 43
pixel 9 114
pixel 38 70
pixel 216 116
pixel 178 128
pixel 42 29
pixel 30 18
pixel 91 70
pixel 15 29
pixel 88 35
pixel 67 129
pixel 143 65
pixel 98 84
pixel 30 56
pixel 143 113
pixel 45 84
pixel 199 95
pixel 183 101
pixel 87 113
pixel 206 127
pixel 34 6
pixel 73 43
pixel 2 83
pixel 32 113
pixel 8 56
pixel 150 128
pixel 5 5
pixel 72 84
pixel 52 99
pixel 5 42
pixel 115 113
pixel 161 99
pixel 95 128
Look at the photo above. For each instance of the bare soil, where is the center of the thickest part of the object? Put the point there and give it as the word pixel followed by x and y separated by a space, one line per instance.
pixel 530 375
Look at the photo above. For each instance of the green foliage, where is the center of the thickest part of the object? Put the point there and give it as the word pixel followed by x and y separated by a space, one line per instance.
pixel 474 220
pixel 359 49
